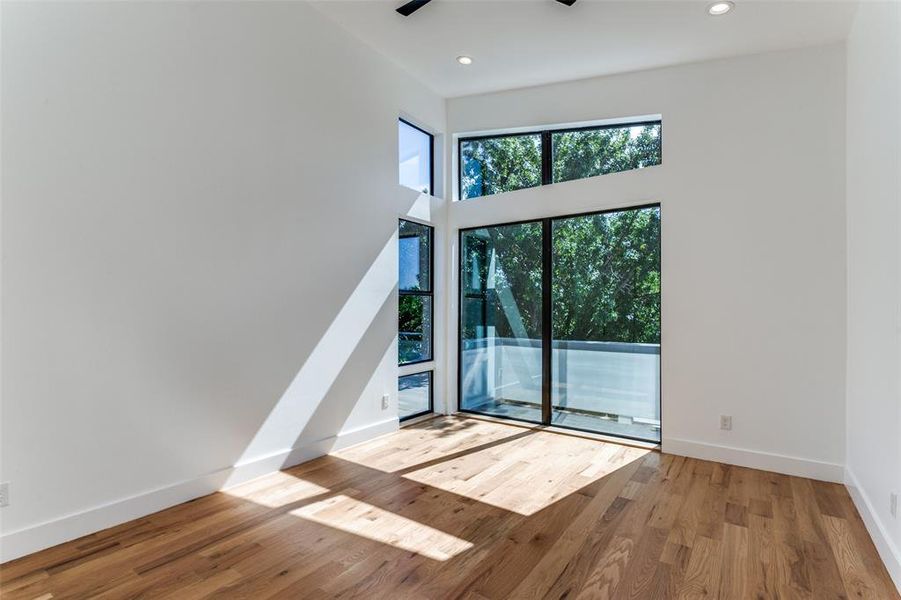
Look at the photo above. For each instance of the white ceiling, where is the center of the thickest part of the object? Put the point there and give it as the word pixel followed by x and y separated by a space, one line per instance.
pixel 516 43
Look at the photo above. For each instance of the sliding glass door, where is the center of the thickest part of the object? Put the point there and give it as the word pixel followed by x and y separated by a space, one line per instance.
pixel 560 322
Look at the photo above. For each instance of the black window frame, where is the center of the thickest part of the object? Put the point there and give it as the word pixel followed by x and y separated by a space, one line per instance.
pixel 547 158
pixel 431 407
pixel 430 294
pixel 431 153
pixel 546 320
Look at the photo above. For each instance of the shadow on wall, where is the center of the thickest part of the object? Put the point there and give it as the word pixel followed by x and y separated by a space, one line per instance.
pixel 332 410
pixel 347 366
pixel 329 359
pixel 310 367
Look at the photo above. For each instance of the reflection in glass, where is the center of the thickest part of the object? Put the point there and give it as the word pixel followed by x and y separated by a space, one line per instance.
pixel 501 270
pixel 414 395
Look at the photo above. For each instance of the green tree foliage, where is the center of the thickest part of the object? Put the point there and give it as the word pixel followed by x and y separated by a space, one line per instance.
pixel 410 314
pixel 580 154
pixel 503 164
pixel 606 278
pixel 606 268
pixel 508 163
pixel 606 274
pixel 516 284
pixel 414 327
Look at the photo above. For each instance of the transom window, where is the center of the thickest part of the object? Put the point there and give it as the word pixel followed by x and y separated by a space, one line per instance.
pixel 504 163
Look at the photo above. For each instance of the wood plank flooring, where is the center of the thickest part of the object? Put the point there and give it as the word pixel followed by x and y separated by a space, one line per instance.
pixel 464 508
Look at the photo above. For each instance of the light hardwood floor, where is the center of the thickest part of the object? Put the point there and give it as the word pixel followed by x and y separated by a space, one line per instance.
pixel 464 508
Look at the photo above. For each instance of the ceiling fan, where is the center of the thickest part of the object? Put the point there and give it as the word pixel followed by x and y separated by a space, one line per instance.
pixel 413 5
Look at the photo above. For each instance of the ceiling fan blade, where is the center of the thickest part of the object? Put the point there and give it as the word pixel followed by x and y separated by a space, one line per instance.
pixel 410 7
pixel 567 2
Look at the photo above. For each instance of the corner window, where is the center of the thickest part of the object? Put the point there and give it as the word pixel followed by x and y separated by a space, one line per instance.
pixel 504 163
pixel 415 162
pixel 416 296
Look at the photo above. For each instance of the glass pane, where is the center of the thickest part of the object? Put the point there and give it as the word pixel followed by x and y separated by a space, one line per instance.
pixel 501 321
pixel 414 157
pixel 586 153
pixel 414 395
pixel 606 323
pixel 414 329
pixel 502 164
pixel 414 257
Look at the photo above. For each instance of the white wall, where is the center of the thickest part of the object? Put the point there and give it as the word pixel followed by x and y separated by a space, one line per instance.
pixel 199 265
pixel 874 272
pixel 752 193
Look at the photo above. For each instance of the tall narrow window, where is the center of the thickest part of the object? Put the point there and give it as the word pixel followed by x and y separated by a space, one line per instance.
pixel 415 306
pixel 415 311
pixel 414 317
pixel 415 163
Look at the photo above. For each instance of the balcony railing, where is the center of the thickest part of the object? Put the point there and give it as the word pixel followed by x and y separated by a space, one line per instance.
pixel 610 381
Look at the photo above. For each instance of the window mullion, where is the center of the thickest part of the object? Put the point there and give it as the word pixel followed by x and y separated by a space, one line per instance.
pixel 546 169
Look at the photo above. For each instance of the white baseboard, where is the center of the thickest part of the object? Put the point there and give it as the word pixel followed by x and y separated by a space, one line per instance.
pixel 888 551
pixel 778 463
pixel 37 537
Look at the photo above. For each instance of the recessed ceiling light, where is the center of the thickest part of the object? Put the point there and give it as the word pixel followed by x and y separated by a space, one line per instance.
pixel 464 60
pixel 720 8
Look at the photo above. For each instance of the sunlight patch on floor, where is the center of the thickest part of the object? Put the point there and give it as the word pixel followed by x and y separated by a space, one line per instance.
pixel 515 476
pixel 446 436
pixel 277 489
pixel 360 518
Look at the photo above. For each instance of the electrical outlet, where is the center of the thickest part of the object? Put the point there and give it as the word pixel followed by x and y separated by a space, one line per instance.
pixel 726 422
pixel 385 398
pixel 893 504
pixel 4 494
